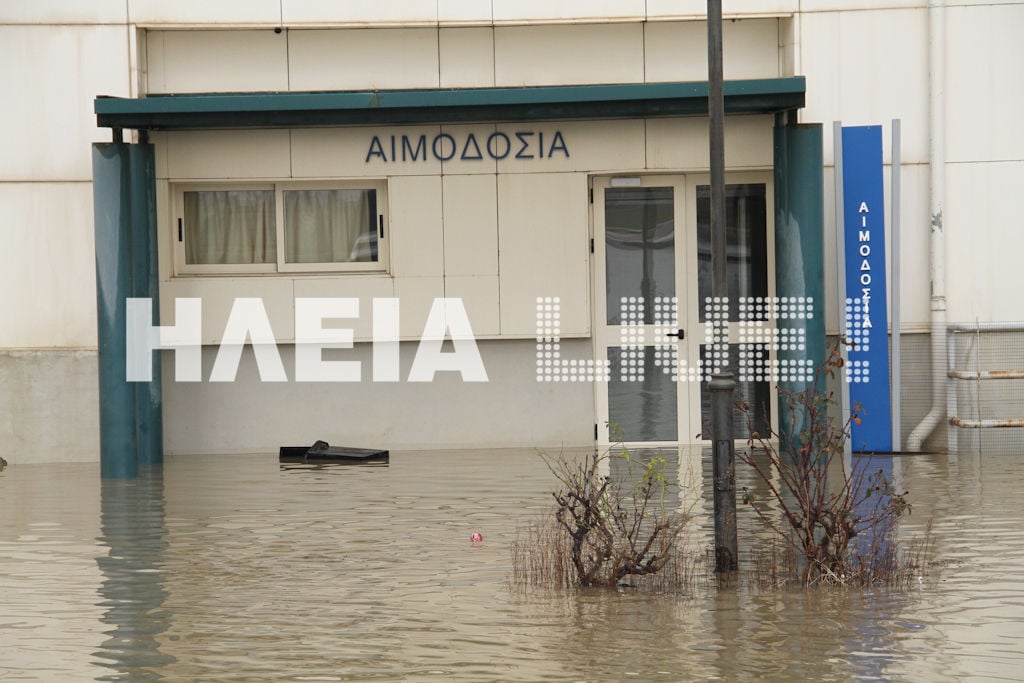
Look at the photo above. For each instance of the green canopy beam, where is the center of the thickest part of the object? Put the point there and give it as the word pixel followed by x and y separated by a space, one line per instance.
pixel 298 109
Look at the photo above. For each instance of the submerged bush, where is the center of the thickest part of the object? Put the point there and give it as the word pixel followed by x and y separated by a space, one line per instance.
pixel 604 530
pixel 838 521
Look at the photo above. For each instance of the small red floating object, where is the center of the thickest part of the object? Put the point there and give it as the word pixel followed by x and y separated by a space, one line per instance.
pixel 477 537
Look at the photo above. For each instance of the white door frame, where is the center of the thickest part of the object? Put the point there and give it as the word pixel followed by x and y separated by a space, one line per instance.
pixel 688 402
pixel 614 335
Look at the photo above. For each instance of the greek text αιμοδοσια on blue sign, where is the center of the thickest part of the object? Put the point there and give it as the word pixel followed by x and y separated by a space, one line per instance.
pixel 867 325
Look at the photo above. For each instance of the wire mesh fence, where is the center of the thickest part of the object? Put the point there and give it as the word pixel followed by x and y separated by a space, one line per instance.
pixel 986 388
pixel 982 397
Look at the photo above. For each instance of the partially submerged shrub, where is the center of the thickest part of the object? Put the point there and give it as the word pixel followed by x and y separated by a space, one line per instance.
pixel 607 530
pixel 540 554
pixel 840 521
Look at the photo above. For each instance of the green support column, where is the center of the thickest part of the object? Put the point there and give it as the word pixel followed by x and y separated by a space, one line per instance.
pixel 125 214
pixel 799 240
pixel 148 395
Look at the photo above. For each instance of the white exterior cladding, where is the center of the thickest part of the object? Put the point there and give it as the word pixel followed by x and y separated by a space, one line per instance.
pixel 461 229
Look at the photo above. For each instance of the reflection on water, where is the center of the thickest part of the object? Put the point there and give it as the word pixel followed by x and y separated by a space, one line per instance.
pixel 133 529
pixel 235 568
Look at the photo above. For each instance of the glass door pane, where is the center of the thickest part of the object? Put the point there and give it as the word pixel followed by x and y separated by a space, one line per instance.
pixel 639 243
pixel 637 281
pixel 641 398
pixel 746 224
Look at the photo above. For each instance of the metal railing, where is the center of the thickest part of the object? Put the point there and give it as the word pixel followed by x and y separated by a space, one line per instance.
pixel 977 375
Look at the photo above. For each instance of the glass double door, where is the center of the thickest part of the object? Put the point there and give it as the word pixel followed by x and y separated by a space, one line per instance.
pixel 652 275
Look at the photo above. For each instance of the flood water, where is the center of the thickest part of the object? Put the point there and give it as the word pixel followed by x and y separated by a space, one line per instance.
pixel 236 568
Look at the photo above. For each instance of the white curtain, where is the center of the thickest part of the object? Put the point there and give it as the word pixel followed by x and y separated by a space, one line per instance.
pixel 230 226
pixel 330 226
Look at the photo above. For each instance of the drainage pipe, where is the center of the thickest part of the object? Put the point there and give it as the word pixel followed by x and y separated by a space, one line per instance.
pixel 937 242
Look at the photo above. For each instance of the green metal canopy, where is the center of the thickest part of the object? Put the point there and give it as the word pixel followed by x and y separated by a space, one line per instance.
pixel 297 109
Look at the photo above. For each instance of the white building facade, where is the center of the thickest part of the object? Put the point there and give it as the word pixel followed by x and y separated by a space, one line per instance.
pixel 508 180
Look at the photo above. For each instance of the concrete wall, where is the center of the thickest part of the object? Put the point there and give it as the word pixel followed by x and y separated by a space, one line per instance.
pixel 510 409
pixel 48 407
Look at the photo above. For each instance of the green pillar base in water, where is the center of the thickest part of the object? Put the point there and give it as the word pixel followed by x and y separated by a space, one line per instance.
pixel 799 247
pixel 124 200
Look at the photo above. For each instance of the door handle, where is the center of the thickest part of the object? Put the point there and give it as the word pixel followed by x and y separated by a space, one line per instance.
pixel 680 333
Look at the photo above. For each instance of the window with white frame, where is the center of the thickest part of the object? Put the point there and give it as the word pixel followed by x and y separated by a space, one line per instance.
pixel 281 227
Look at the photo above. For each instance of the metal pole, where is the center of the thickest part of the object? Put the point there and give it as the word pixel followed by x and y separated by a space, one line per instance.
pixel 844 386
pixel 894 291
pixel 721 386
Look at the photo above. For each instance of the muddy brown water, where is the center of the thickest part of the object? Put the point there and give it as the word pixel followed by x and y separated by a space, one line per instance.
pixel 236 568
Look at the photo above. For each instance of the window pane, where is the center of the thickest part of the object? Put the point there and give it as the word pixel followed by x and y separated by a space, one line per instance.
pixel 644 409
pixel 330 226
pixel 757 395
pixel 639 248
pixel 230 226
pixel 746 248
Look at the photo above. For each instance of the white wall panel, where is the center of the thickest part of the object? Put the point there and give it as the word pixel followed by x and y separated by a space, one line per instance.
pixel 677 50
pixel 589 146
pixel 789 47
pixel 159 141
pixel 665 9
pixel 51 76
pixel 320 12
pixel 218 297
pixel 846 5
pixel 480 298
pixel 544 249
pixel 463 12
pixel 417 236
pixel 363 59
pixel 345 152
pixel 682 143
pixel 166 224
pixel 915 227
pixel 363 287
pixel 216 61
pixel 514 11
pixel 228 154
pixel 568 54
pixel 984 95
pixel 984 241
pixel 868 68
pixel 466 57
pixel 63 12
pixel 415 298
pixel 470 225
pixel 204 12
pixel 47 268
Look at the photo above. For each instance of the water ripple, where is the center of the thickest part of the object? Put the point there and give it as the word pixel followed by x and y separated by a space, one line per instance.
pixel 239 569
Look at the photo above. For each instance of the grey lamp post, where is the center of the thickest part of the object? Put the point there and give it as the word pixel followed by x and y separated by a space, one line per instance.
pixel 722 385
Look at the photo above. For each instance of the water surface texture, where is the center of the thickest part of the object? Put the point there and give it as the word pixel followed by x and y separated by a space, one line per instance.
pixel 236 568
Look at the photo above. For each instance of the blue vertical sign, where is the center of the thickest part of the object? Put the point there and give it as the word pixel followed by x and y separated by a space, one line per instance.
pixel 867 319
